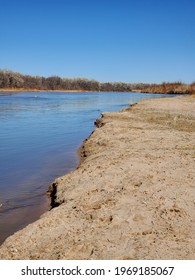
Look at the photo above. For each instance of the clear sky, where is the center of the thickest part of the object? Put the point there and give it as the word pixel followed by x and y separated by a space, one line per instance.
pixel 107 40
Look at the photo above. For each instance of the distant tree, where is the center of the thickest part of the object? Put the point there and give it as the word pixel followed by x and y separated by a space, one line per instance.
pixel 30 82
pixel 106 87
pixel 15 80
pixel 4 80
pixel 54 82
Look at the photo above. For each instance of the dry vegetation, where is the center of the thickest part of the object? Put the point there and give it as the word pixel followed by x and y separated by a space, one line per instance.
pixel 10 80
pixel 13 80
pixel 171 88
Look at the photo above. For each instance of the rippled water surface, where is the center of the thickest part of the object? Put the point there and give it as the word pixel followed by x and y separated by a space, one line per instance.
pixel 39 137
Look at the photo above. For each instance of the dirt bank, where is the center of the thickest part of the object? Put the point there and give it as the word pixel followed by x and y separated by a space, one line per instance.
pixel 133 196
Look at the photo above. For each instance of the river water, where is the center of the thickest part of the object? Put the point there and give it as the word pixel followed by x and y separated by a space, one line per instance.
pixel 40 134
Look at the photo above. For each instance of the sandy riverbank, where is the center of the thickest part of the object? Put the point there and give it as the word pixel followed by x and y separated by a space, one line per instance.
pixel 132 197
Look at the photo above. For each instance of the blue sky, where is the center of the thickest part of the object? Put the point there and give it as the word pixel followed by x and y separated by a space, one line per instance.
pixel 108 40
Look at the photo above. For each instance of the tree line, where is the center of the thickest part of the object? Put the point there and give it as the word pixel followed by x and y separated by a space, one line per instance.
pixel 14 80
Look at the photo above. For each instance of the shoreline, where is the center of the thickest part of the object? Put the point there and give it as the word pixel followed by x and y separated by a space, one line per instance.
pixel 108 208
pixel 36 90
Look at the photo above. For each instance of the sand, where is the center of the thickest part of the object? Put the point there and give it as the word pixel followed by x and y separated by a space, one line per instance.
pixel 133 195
